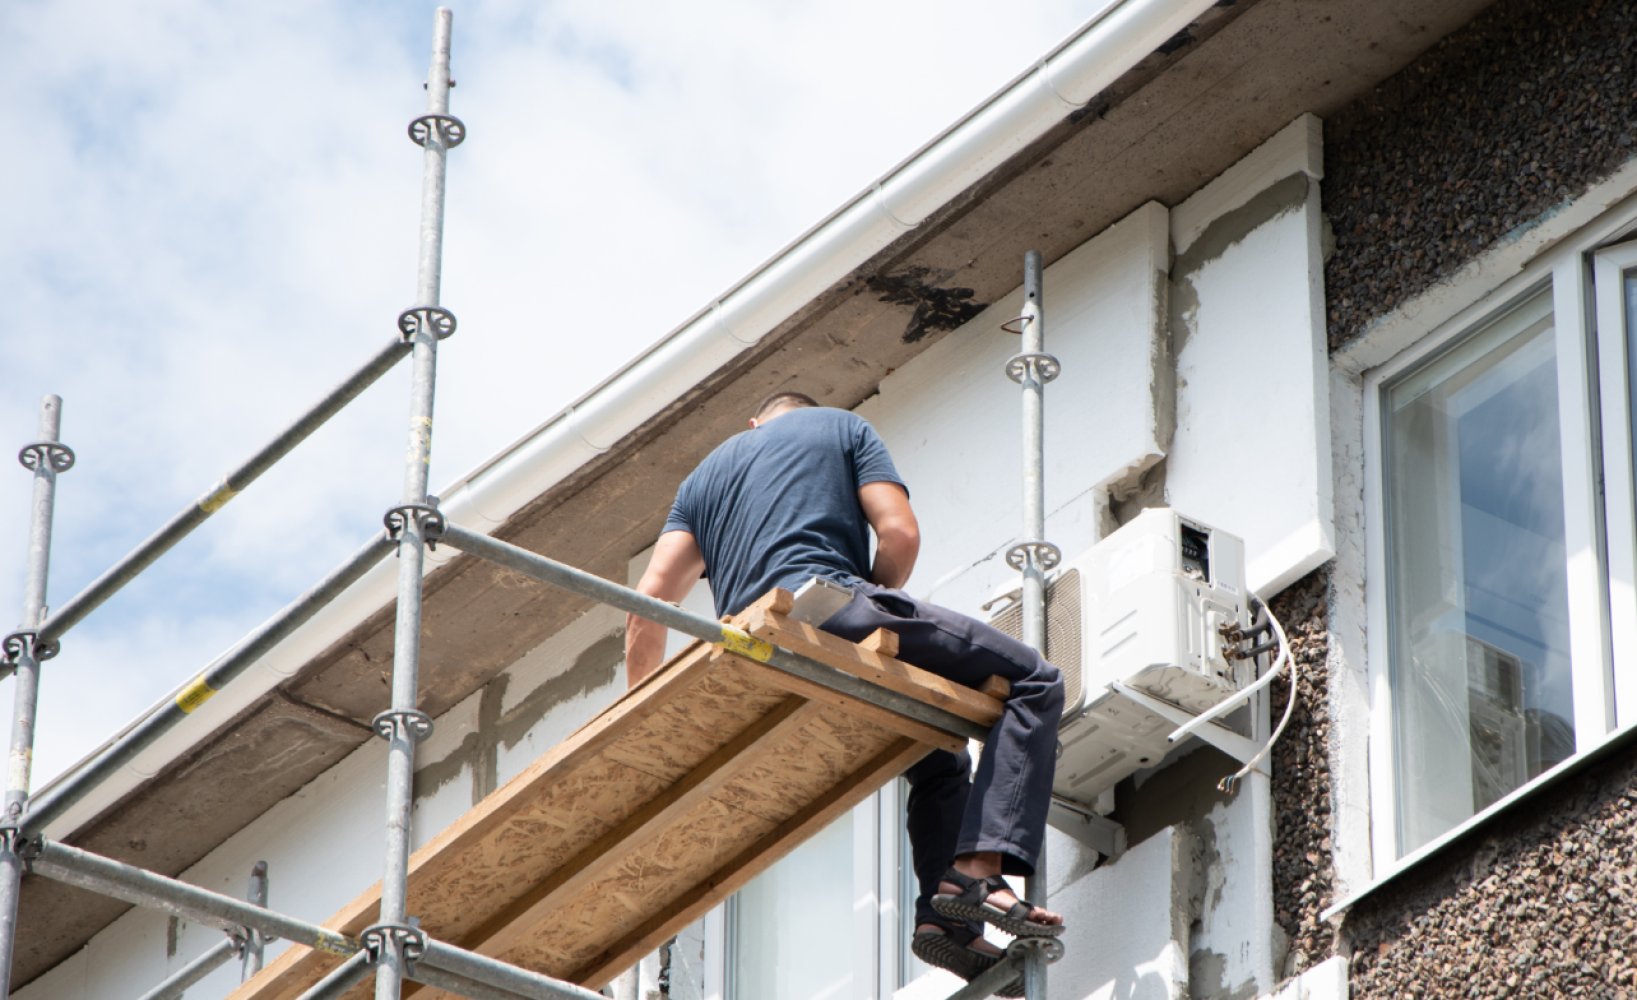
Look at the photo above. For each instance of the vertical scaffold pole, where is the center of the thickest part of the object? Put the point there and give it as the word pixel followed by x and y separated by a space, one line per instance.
pixel 395 941
pixel 1034 557
pixel 45 458
pixel 256 945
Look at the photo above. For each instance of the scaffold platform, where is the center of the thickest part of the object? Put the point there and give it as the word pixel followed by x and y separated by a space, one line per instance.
pixel 701 776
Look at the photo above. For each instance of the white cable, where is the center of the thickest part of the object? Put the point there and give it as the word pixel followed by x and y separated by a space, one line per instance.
pixel 1229 783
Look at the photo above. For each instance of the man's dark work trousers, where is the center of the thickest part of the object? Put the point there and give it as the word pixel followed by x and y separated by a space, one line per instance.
pixel 1003 807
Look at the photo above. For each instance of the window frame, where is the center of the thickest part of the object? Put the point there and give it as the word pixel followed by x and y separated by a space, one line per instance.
pixel 1601 555
pixel 1610 266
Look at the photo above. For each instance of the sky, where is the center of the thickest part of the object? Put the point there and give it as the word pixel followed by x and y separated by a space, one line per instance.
pixel 210 217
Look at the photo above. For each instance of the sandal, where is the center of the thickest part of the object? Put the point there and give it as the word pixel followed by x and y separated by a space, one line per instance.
pixel 972 903
pixel 950 947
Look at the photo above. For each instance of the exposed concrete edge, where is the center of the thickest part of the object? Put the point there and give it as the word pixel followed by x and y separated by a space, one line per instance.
pixel 1296 148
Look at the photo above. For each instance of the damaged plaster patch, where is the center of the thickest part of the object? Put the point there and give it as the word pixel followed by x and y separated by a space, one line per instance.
pixel 594 669
pixel 934 309
pixel 1279 199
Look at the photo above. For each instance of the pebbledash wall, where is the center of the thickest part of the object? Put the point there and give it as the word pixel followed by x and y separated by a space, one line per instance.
pixel 1456 160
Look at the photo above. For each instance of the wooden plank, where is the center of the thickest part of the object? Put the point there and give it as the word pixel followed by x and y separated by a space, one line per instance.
pixel 923 685
pixel 754 860
pixel 502 930
pixel 886 719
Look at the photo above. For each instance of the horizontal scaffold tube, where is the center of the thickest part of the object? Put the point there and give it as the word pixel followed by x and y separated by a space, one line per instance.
pixel 86 870
pixel 109 583
pixel 341 978
pixel 730 637
pixel 196 970
pixel 119 880
pixel 56 800
pixel 460 986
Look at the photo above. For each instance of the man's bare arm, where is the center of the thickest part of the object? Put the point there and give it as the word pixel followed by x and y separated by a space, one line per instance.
pixel 897 533
pixel 672 571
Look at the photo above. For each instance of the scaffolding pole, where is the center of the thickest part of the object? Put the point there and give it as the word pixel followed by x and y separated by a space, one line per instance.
pixel 244 942
pixel 195 971
pixel 404 725
pixel 255 944
pixel 341 978
pixel 179 527
pixel 58 799
pixel 730 637
pixel 78 867
pixel 1034 557
pixel 25 648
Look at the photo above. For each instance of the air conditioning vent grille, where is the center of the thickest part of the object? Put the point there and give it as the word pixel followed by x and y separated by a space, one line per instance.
pixel 1063 639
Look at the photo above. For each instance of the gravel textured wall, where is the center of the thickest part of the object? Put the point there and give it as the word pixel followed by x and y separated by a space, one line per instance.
pixel 1303 876
pixel 1516 113
pixel 1544 906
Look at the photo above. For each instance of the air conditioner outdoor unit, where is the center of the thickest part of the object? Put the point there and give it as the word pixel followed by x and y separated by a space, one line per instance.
pixel 1145 606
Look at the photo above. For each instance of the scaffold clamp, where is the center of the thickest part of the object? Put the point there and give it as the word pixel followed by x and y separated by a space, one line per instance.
pixel 439 321
pixel 14 841
pixel 451 130
pixel 376 938
pixel 1043 555
pixel 416 725
pixel 1051 947
pixel 56 456
pixel 427 517
pixel 26 642
pixel 1043 367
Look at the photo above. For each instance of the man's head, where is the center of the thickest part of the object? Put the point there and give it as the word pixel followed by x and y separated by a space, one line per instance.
pixel 780 403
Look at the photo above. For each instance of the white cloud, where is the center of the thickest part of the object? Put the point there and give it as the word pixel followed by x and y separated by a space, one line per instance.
pixel 212 216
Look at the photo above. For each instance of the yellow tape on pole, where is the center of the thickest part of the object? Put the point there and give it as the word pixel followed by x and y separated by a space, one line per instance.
pixel 335 945
pixel 739 641
pixel 218 498
pixel 195 694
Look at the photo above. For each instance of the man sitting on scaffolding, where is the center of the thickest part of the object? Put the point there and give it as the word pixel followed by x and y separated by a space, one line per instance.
pixel 796 496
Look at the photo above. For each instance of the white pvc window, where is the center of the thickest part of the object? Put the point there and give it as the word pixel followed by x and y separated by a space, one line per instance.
pixel 1504 545
pixel 1481 674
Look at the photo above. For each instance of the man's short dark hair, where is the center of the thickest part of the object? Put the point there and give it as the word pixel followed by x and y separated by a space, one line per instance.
pixel 784 398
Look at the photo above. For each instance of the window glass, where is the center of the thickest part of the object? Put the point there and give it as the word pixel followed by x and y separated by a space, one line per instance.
pixel 1631 349
pixel 1480 669
pixel 792 926
pixel 910 968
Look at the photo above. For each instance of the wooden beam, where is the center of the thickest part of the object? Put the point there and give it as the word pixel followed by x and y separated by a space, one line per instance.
pixel 922 685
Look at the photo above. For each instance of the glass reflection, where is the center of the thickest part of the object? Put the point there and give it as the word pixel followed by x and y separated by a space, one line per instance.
pixel 1477 573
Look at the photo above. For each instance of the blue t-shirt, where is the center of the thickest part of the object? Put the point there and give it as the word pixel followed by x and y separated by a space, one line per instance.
pixel 777 504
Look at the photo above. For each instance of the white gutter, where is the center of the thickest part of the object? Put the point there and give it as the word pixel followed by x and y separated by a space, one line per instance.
pixel 1022 111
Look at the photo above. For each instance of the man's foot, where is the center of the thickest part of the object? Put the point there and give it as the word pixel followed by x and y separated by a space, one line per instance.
pixel 988 898
pixel 962 951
